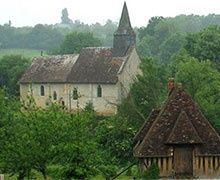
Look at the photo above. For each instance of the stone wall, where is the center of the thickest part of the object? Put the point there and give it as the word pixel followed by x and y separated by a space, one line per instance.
pixel 86 93
pixel 128 73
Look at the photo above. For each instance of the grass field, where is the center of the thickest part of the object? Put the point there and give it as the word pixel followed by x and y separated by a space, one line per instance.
pixel 29 53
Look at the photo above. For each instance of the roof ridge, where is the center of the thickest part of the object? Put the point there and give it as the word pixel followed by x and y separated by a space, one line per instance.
pixel 181 114
pixel 155 121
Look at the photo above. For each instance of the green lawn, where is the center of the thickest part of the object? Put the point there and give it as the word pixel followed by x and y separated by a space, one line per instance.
pixel 28 53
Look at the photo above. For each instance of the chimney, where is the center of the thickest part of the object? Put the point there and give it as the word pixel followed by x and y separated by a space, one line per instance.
pixel 170 84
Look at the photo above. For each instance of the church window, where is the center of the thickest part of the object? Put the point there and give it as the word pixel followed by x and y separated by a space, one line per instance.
pixel 54 95
pixel 42 93
pixel 99 91
pixel 75 94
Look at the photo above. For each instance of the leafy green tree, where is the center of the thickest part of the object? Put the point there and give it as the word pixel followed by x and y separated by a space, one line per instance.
pixel 77 150
pixel 171 46
pixel 43 37
pixel 150 28
pixel 114 138
pixel 146 93
pixel 74 42
pixel 11 69
pixel 202 81
pixel 205 44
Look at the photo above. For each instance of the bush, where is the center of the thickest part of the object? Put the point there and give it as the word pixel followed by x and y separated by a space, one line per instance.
pixel 152 172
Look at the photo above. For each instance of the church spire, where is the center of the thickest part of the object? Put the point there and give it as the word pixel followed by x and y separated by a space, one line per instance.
pixel 124 37
pixel 124 23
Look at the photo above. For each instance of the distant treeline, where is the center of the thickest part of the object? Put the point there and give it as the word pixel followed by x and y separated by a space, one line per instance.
pixel 161 36
pixel 49 37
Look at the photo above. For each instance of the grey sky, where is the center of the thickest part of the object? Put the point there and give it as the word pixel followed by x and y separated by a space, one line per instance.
pixel 31 12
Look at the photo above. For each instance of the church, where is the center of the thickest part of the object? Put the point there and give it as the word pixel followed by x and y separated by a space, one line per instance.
pixel 99 76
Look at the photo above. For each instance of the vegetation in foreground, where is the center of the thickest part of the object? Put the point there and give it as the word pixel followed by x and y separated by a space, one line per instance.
pixel 63 145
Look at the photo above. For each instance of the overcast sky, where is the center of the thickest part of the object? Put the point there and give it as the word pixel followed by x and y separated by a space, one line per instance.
pixel 31 12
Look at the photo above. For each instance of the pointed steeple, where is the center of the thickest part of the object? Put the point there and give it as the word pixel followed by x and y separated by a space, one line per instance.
pixel 124 24
pixel 124 37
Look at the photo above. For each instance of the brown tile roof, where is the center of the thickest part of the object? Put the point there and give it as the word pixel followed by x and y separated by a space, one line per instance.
pixel 183 131
pixel 96 65
pixel 92 65
pixel 169 122
pixel 46 69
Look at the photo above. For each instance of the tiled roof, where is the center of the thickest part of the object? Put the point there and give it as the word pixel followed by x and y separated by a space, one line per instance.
pixel 178 122
pixel 47 69
pixel 92 65
pixel 96 65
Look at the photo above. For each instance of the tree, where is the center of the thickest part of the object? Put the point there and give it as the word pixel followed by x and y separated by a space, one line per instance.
pixel 65 19
pixel 171 46
pixel 74 42
pixel 150 29
pixel 115 141
pixel 146 93
pixel 205 44
pixel 11 69
pixel 43 37
pixel 202 82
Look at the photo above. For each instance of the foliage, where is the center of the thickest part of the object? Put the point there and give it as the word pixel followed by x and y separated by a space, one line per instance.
pixel 205 44
pixel 152 172
pixel 35 139
pixel 11 69
pixel 74 42
pixel 164 36
pixel 43 37
pixel 146 93
pixel 114 138
pixel 202 82
pixel 65 19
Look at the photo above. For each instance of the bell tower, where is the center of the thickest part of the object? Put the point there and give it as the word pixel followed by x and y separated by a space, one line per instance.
pixel 124 36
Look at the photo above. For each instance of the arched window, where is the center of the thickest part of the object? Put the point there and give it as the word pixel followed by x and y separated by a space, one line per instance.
pixel 99 91
pixel 54 95
pixel 42 93
pixel 75 94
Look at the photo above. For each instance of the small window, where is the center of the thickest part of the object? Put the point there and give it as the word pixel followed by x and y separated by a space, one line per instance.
pixel 99 91
pixel 42 93
pixel 75 94
pixel 54 95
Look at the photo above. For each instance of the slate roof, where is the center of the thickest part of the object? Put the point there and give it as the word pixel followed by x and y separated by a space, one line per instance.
pixel 178 122
pixel 92 65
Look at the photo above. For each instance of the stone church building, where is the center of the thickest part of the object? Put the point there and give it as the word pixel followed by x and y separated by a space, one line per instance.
pixel 98 75
pixel 179 140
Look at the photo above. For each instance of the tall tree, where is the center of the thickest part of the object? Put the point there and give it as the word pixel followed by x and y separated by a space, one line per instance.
pixel 65 17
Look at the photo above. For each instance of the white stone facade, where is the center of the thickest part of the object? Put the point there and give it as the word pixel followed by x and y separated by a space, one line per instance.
pixel 111 94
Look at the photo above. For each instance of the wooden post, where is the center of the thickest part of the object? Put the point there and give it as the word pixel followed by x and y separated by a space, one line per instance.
pixel 170 165
pixel 206 166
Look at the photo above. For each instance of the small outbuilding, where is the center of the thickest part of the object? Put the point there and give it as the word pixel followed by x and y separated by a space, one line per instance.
pixel 179 139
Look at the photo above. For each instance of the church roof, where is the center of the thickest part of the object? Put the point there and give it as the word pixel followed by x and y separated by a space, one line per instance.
pixel 96 65
pixel 124 26
pixel 92 65
pixel 178 122
pixel 47 69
